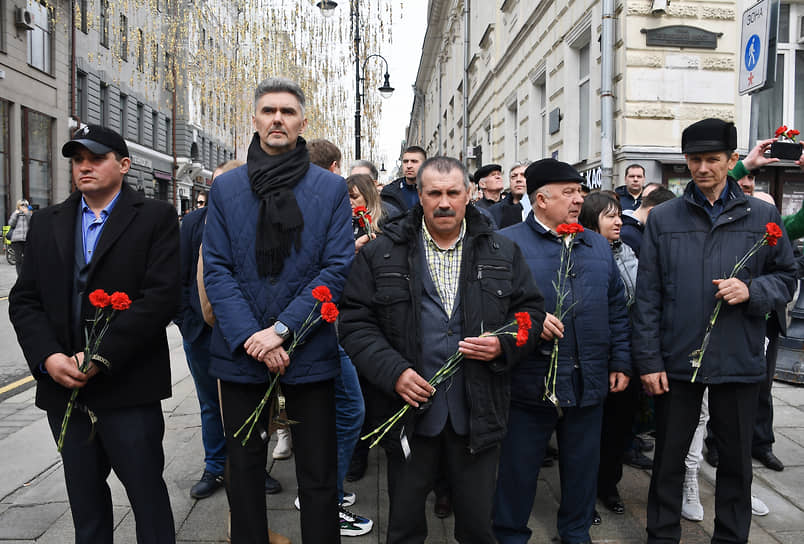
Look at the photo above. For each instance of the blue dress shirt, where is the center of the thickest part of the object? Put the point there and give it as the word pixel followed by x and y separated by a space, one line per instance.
pixel 92 226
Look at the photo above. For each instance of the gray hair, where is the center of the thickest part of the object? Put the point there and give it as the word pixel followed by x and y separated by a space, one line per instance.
pixel 279 85
pixel 443 165
pixel 518 164
pixel 375 174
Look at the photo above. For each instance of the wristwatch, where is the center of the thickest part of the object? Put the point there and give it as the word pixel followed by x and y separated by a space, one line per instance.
pixel 281 329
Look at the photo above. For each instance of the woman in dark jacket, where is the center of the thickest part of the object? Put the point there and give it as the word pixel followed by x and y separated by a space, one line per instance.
pixel 602 214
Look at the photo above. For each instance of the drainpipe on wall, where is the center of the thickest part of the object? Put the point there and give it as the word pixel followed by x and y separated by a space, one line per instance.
pixel 607 96
pixel 464 150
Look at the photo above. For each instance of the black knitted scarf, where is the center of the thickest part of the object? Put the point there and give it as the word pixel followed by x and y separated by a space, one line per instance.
pixel 280 222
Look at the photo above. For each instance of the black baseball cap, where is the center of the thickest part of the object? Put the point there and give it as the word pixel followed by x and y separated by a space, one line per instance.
pixel 546 171
pixel 709 135
pixel 99 140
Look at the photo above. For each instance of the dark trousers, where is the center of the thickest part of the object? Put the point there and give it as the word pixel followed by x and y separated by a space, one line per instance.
pixel 763 428
pixel 529 430
pixel 471 479
pixel 128 440
pixel 732 411
pixel 313 406
pixel 618 421
pixel 19 255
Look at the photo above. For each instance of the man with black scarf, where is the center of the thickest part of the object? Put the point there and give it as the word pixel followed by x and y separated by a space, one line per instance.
pixel 277 228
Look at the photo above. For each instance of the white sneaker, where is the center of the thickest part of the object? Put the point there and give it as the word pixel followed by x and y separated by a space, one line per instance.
pixel 352 524
pixel 691 507
pixel 284 445
pixel 348 500
pixel 759 508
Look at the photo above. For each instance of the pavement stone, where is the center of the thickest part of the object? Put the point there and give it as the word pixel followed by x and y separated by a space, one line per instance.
pixel 34 508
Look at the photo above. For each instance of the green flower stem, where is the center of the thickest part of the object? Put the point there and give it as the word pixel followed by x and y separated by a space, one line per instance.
pixel 696 357
pixel 298 339
pixel 447 370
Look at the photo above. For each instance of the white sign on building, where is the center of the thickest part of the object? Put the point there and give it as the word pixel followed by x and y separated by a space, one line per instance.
pixel 755 46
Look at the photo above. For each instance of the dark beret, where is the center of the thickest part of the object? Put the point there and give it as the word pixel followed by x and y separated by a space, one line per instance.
pixel 550 171
pixel 485 170
pixel 709 135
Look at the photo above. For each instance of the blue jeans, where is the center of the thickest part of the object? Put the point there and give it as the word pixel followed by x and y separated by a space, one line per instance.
pixel 207 388
pixel 350 411
pixel 529 430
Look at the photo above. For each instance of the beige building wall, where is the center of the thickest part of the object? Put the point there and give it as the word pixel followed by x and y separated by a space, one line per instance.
pixel 530 60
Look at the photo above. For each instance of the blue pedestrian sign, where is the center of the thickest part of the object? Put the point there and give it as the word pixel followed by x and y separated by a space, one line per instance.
pixel 752 51
pixel 758 47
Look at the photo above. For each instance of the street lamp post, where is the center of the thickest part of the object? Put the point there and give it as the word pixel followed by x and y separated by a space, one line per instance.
pixel 327 7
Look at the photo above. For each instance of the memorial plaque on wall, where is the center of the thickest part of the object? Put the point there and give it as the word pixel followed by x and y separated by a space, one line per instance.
pixel 681 36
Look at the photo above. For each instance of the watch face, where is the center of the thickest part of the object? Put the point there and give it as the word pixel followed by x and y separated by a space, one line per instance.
pixel 281 329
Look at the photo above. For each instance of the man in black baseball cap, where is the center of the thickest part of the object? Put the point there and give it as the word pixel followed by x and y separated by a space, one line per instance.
pixel 104 236
pixel 99 140
pixel 690 245
pixel 489 179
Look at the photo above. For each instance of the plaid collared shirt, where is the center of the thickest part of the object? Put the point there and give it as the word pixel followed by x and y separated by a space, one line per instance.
pixel 444 266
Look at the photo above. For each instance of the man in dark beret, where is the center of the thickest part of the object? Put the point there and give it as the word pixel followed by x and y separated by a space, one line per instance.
pixel 593 360
pixel 489 179
pixel 690 245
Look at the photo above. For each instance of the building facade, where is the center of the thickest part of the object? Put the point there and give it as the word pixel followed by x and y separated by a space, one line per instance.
pixel 533 74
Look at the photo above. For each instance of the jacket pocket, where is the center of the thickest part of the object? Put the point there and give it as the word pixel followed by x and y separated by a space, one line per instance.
pixel 392 301
pixel 495 288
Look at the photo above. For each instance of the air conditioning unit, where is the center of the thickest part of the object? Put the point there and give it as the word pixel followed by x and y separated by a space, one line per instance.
pixel 23 19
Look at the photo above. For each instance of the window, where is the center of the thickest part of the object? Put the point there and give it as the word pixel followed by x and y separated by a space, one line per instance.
pixel 583 102
pixel 81 96
pixel 168 73
pixel 123 37
pixel 140 51
pixel 2 36
pixel 39 39
pixel 124 115
pixel 140 122
pixel 36 157
pixel 168 136
pixel 82 21
pixel 511 131
pixel 538 136
pixel 154 129
pixel 104 105
pixel 5 183
pixel 104 23
pixel 783 104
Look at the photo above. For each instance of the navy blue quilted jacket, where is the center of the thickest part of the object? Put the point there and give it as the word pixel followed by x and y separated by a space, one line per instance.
pixel 596 329
pixel 245 303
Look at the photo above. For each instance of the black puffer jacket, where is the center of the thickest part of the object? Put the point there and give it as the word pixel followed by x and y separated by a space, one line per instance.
pixel 380 315
pixel 682 252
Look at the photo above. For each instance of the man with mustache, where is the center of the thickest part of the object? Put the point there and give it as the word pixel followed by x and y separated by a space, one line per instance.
pixel 593 360
pixel 436 280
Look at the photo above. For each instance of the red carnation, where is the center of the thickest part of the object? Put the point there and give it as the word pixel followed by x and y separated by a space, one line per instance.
pixel 120 301
pixel 569 228
pixel 329 312
pixel 523 320
pixel 99 298
pixel 521 337
pixel 772 233
pixel 362 222
pixel 358 210
pixel 322 294
pixel 792 133
pixel 781 130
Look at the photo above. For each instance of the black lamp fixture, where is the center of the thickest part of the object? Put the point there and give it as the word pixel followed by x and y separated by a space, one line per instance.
pixel 327 8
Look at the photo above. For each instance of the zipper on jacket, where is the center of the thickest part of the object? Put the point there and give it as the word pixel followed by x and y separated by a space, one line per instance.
pixel 394 275
pixel 482 267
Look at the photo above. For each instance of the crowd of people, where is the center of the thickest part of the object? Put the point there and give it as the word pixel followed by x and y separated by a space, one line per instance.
pixel 566 312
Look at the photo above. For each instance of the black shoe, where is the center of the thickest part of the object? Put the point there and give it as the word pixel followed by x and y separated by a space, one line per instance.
pixel 272 485
pixel 769 460
pixel 443 507
pixel 207 485
pixel 357 467
pixel 712 457
pixel 547 461
pixel 596 518
pixel 644 445
pixel 614 503
pixel 637 459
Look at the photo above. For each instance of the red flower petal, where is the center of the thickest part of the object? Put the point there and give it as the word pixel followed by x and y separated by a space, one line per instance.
pixel 322 293
pixel 120 301
pixel 781 130
pixel 329 312
pixel 99 298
